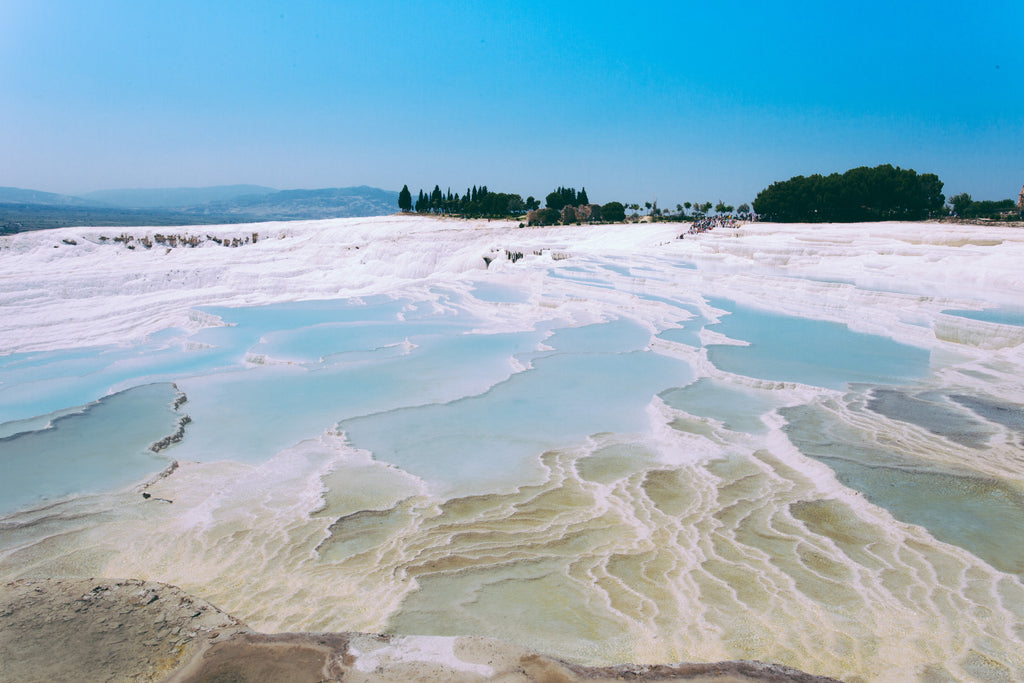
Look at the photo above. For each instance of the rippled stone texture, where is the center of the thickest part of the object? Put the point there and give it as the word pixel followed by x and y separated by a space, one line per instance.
pixel 130 630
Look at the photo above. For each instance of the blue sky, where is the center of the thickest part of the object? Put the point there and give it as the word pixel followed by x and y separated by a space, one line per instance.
pixel 673 101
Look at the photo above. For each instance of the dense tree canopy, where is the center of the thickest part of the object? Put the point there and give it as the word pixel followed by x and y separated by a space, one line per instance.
pixel 964 206
pixel 405 199
pixel 548 216
pixel 860 194
pixel 961 203
pixel 477 202
pixel 565 196
pixel 988 208
pixel 564 205
pixel 613 212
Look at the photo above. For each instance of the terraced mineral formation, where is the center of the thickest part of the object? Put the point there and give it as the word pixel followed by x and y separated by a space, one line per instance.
pixel 130 630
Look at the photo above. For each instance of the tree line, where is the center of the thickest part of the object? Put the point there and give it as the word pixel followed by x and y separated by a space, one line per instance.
pixel 563 205
pixel 964 206
pixel 477 202
pixel 480 202
pixel 860 194
pixel 566 196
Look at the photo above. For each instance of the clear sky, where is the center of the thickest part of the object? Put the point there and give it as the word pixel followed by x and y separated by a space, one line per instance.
pixel 673 101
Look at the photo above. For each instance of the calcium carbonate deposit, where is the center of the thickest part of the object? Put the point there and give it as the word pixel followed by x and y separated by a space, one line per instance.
pixel 801 444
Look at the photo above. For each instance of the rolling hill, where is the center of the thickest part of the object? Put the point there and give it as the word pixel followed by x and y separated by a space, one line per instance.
pixel 22 209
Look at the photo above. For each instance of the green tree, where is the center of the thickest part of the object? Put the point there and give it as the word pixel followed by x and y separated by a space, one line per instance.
pixel 930 197
pixel 613 212
pixel 988 208
pixel 516 205
pixel 582 197
pixel 548 216
pixel 743 208
pixel 860 194
pixel 561 197
pixel 961 203
pixel 405 199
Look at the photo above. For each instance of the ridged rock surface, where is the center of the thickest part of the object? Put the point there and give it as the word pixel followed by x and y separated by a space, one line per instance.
pixel 131 630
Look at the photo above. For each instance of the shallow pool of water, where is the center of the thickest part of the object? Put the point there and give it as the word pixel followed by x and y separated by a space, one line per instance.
pixel 105 445
pixel 738 409
pixel 499 294
pixel 1002 316
pixel 599 378
pixel 815 352
pixel 975 512
pixel 267 378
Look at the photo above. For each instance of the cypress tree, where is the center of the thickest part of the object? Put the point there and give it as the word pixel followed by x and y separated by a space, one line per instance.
pixel 436 199
pixel 405 199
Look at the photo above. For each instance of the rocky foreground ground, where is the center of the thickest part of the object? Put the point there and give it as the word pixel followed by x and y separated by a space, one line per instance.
pixel 130 630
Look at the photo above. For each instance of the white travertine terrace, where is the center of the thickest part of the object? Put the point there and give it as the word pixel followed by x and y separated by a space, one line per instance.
pixel 683 541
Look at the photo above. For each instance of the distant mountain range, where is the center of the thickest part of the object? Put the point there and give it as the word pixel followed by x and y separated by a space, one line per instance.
pixel 174 197
pixel 306 204
pixel 14 195
pixel 22 210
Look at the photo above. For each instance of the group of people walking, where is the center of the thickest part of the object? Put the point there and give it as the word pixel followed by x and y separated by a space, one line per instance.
pixel 707 223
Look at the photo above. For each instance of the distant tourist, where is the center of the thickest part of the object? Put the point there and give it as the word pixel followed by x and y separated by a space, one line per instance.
pixel 707 223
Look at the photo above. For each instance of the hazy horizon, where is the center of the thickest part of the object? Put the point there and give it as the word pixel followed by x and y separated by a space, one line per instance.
pixel 674 103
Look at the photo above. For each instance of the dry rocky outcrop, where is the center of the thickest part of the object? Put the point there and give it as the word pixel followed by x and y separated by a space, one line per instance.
pixel 132 630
